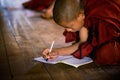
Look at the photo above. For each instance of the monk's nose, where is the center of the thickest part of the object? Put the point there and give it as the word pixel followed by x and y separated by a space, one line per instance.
pixel 69 30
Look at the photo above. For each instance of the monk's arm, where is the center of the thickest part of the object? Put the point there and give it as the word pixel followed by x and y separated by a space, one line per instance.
pixel 71 49
pixel 67 50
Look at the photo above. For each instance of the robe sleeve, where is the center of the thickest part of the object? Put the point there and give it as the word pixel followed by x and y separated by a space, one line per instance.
pixel 84 50
pixel 71 36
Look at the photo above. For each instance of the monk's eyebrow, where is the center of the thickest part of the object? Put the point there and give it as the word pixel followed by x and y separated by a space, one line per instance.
pixel 67 27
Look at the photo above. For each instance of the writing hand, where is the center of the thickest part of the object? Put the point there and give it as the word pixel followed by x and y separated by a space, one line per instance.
pixel 49 56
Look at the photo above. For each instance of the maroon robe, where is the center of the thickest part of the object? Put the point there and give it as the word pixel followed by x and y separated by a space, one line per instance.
pixel 71 36
pixel 37 5
pixel 102 19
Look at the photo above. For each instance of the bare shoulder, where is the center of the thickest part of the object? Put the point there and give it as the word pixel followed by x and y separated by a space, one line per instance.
pixel 83 34
pixel 84 29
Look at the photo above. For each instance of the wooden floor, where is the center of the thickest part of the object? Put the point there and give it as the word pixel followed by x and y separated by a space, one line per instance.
pixel 23 35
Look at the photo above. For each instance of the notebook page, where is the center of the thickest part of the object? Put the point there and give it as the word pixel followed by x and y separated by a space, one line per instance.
pixel 54 61
pixel 77 62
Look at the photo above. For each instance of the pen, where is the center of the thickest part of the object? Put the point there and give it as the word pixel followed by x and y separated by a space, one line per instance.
pixel 51 47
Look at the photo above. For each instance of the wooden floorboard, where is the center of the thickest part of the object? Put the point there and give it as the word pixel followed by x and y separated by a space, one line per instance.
pixel 19 53
pixel 23 37
pixel 112 71
pixel 5 72
pixel 93 72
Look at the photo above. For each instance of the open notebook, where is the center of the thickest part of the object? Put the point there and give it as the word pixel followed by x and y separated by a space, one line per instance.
pixel 69 60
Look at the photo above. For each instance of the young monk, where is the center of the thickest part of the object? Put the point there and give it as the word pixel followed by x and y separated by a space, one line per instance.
pixel 98 23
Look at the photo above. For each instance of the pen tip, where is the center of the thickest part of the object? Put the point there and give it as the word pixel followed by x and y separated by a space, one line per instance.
pixel 46 59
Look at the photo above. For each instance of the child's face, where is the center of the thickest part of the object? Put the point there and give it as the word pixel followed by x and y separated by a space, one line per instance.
pixel 74 25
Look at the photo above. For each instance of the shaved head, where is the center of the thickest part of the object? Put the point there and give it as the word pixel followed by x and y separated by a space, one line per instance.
pixel 67 10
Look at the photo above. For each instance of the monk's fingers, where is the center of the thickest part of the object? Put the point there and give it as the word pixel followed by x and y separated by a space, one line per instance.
pixel 45 56
pixel 45 53
pixel 52 57
pixel 49 55
pixel 53 53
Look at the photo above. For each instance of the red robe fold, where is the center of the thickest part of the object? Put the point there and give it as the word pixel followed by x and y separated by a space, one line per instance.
pixel 71 36
pixel 102 19
pixel 37 5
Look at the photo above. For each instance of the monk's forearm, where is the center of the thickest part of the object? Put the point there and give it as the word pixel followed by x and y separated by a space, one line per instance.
pixel 68 50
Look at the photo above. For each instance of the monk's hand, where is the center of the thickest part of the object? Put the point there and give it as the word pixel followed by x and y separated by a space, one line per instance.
pixel 50 55
pixel 53 54
pixel 45 54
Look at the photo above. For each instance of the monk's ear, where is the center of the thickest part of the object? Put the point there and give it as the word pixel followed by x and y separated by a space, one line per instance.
pixel 81 15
